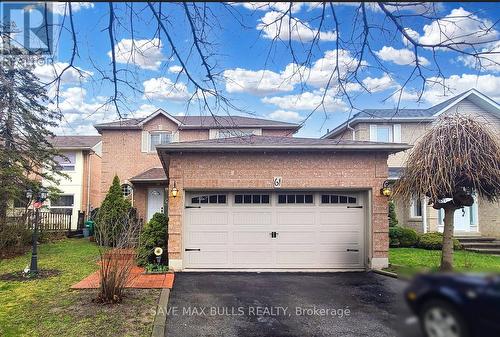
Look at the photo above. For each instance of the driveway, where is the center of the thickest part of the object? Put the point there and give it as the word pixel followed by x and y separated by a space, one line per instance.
pixel 288 304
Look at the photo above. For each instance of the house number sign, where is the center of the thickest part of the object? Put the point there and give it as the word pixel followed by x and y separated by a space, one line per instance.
pixel 277 182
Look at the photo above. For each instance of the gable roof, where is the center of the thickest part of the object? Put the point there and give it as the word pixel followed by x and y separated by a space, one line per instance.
pixel 152 174
pixel 200 122
pixel 74 142
pixel 273 143
pixel 416 115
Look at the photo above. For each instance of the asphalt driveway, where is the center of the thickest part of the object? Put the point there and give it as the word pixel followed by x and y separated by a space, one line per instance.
pixel 288 304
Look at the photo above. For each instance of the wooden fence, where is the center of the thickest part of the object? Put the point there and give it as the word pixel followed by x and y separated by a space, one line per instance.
pixel 50 222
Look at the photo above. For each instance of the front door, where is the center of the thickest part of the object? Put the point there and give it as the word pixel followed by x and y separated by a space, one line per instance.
pixel 156 201
pixel 462 219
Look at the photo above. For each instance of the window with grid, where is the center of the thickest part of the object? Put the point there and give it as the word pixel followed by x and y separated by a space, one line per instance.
pixel 159 138
pixel 66 162
pixel 63 204
pixel 209 199
pixel 338 199
pixel 298 198
pixel 251 198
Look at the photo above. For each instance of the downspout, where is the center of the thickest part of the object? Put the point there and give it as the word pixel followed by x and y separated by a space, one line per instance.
pixel 89 168
pixel 353 131
pixel 424 214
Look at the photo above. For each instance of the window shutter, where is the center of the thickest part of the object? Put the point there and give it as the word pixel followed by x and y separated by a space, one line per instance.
pixel 373 133
pixel 145 141
pixel 396 133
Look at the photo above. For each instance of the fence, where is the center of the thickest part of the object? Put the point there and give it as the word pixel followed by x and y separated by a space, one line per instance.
pixel 50 222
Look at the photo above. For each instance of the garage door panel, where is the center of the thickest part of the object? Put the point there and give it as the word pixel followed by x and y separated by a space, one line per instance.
pixel 201 237
pixel 297 218
pixel 252 258
pixel 338 258
pixel 252 218
pixel 203 217
pixel 251 237
pixel 341 217
pixel 295 258
pixel 295 237
pixel 209 258
pixel 333 237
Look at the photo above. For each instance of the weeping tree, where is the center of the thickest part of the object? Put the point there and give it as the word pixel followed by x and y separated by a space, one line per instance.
pixel 456 159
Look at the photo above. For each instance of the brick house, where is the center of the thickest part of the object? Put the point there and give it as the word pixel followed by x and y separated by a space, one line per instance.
pixel 250 196
pixel 408 126
pixel 129 150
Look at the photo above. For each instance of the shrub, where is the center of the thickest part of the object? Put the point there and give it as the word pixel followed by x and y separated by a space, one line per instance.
pixel 154 234
pixel 14 237
pixel 113 214
pixel 402 237
pixel 393 221
pixel 434 241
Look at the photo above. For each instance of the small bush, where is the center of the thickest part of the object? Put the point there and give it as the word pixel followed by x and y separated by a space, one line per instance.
pixel 14 237
pixel 434 241
pixel 402 237
pixel 393 220
pixel 154 234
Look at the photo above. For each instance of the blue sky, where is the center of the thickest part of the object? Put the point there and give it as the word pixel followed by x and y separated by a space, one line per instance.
pixel 240 54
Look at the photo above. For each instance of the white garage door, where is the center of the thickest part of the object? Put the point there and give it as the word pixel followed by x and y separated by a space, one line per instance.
pixel 274 230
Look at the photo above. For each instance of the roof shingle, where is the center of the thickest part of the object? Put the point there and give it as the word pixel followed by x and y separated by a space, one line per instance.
pixel 83 142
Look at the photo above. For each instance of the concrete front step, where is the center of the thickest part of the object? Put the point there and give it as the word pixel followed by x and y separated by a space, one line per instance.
pixel 492 244
pixel 474 239
pixel 484 250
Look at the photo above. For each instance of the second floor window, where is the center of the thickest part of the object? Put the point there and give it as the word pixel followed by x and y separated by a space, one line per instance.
pixel 158 138
pixel 66 162
pixel 384 134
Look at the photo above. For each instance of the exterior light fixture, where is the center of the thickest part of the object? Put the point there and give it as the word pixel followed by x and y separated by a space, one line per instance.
pixel 386 190
pixel 29 194
pixel 43 194
pixel 158 251
pixel 174 191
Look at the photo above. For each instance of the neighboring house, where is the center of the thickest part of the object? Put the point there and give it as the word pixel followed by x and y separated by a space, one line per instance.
pixel 129 149
pixel 408 126
pixel 81 162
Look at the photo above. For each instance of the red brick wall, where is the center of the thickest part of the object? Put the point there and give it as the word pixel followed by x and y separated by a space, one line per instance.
pixel 299 171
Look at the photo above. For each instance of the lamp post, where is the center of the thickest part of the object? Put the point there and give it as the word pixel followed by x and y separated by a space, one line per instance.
pixel 39 199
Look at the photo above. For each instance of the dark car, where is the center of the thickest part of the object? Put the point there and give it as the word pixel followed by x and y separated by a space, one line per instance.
pixel 456 305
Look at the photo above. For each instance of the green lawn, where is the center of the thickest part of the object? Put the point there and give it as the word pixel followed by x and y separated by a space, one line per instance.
pixel 408 261
pixel 47 307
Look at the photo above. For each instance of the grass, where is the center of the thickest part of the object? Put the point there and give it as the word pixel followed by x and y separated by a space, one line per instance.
pixel 409 261
pixel 47 307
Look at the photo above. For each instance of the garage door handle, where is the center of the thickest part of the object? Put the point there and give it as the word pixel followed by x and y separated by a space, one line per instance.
pixel 352 250
pixel 354 206
pixel 192 249
pixel 193 206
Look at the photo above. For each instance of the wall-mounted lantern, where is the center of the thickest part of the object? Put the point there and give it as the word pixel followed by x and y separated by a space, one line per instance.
pixel 386 189
pixel 174 191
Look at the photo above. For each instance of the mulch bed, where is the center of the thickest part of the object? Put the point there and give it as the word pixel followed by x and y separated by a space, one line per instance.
pixel 20 276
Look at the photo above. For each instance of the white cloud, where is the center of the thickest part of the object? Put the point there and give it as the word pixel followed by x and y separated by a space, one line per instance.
pixel 401 57
pixel 144 110
pixel 458 29
pixel 271 6
pixel 256 82
pixel 146 54
pixel 61 8
pixel 488 62
pixel 163 88
pixel 456 84
pixel 286 116
pixel 48 72
pixel 307 101
pixel 267 82
pixel 79 114
pixel 374 84
pixel 175 69
pixel 276 24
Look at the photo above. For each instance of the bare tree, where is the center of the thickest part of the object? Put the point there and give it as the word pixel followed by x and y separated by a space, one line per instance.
pixel 301 34
pixel 455 160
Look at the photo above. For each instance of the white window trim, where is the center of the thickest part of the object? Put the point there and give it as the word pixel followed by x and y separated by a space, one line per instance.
pixel 412 209
pixel 394 132
pixel 151 133
pixel 64 207
pixel 73 165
